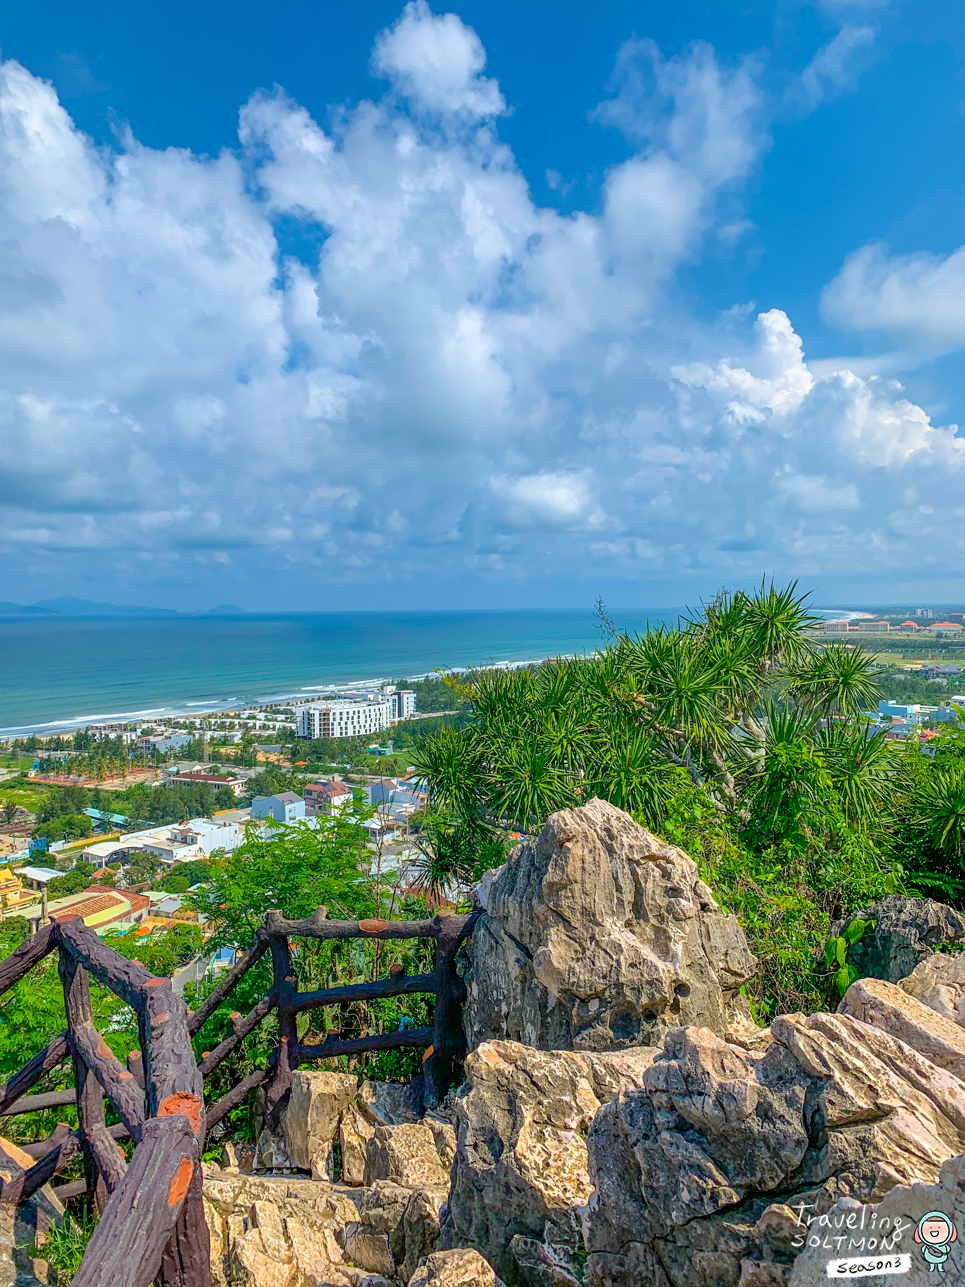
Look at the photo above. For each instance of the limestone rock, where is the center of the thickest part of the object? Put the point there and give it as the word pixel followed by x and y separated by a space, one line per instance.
pixel 384 1103
pixel 540 1265
pixel 896 1216
pixel 521 1160
pixel 311 1119
pixel 939 982
pixel 271 1151
pixel 888 1007
pixel 354 1133
pixel 444 1139
pixel 399 1224
pixel 598 935
pixel 906 930
pixel 405 1154
pixel 459 1268
pixel 272 1231
pixel 420 1228
pixel 694 1172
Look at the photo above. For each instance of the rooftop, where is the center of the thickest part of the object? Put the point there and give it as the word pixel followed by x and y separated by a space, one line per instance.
pixel 42 874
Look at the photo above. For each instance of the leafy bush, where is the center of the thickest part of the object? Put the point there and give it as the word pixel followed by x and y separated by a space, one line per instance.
pixel 66 826
pixel 72 882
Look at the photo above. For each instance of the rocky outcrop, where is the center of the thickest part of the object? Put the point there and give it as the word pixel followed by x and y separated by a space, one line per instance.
pixel 274 1231
pixel 404 1154
pixel 354 1132
pixel 460 1268
pixel 520 1176
pixel 905 933
pixel 697 1173
pixel 597 936
pixel 311 1120
pixel 326 1108
pixel 939 982
pixel 888 1007
pixel 884 1229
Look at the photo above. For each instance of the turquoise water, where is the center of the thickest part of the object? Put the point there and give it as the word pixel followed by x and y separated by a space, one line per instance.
pixel 64 673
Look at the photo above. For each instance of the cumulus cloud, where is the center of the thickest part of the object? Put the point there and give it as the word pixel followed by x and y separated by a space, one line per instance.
pixel 920 297
pixel 449 374
pixel 437 61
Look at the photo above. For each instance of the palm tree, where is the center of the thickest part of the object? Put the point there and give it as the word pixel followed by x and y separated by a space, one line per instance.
pixel 738 699
pixel 940 811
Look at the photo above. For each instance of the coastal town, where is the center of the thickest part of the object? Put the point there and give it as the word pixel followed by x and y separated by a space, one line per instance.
pixel 131 874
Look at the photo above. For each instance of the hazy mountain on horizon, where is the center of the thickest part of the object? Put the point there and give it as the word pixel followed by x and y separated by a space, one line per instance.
pixel 70 606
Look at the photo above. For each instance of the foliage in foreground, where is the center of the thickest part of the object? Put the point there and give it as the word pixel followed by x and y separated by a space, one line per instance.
pixel 735 735
pixel 64 1245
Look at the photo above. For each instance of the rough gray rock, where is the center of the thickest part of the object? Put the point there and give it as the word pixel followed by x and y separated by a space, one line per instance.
pixel 888 1007
pixel 405 1154
pixel 274 1231
pixel 906 931
pixel 521 1162
pixel 311 1120
pixel 459 1268
pixel 598 936
pixel 697 1172
pixel 939 982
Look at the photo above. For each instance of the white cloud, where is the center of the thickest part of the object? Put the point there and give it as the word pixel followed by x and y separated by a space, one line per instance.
pixel 455 381
pixel 550 499
pixel 833 68
pixel 920 297
pixel 437 61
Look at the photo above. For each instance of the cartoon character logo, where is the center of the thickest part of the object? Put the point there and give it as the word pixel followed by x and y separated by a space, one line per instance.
pixel 935 1233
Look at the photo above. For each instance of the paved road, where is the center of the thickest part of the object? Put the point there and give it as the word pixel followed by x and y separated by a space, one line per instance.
pixel 193 972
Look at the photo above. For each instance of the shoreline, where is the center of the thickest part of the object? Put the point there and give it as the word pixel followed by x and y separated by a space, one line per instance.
pixel 151 703
pixel 199 709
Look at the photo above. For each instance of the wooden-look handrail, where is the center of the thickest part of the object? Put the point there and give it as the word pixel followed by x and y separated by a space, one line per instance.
pixel 152 1227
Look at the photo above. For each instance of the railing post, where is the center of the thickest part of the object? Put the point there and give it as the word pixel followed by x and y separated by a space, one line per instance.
pixel 282 987
pixel 443 1068
pixel 90 1101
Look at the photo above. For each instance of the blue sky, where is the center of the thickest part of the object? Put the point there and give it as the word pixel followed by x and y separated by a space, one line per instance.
pixel 339 306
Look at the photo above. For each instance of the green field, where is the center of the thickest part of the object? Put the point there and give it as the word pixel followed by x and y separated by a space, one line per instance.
pixel 25 794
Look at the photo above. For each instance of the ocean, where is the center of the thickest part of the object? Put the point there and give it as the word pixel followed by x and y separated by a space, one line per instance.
pixel 62 673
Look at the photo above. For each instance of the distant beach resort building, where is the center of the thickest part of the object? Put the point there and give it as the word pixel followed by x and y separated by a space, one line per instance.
pixel 355 715
pixel 345 718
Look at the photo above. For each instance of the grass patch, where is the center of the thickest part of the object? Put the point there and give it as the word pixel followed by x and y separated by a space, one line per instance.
pixel 28 797
pixel 64 1246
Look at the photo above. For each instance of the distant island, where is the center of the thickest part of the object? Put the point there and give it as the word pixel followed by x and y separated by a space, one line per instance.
pixel 68 606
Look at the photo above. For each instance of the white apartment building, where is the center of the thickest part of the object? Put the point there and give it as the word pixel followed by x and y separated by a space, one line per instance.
pixel 344 718
pixel 403 703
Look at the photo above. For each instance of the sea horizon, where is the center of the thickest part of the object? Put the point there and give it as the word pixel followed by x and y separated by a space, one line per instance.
pixel 60 674
pixel 63 673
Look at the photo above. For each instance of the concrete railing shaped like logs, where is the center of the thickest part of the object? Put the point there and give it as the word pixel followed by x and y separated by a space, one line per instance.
pixel 151 1225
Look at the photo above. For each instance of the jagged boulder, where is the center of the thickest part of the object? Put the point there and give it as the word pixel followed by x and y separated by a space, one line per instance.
pixel 905 932
pixel 888 1007
pixel 459 1268
pixel 520 1176
pixel 311 1120
pixel 697 1173
pixel 939 982
pixel 597 936
pixel 273 1231
pixel 405 1154
pixel 354 1132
